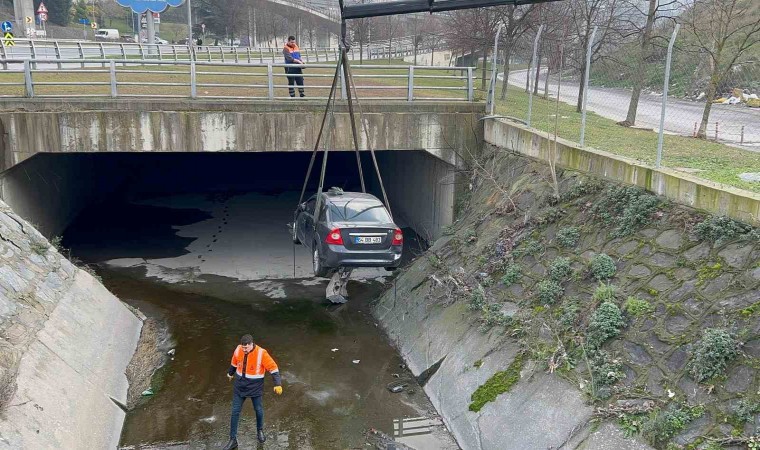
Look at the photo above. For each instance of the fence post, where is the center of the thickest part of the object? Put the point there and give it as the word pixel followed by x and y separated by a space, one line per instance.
pixel 5 55
pixel 193 86
pixel 530 72
pixel 174 51
pixel 270 81
pixel 661 134
pixel 33 51
pixel 410 85
pixel 113 78
pixel 494 61
pixel 28 79
pixel 235 52
pixel 585 86
pixel 81 53
pixel 343 86
pixel 248 54
pixel 158 50
pixel 470 93
pixel 123 54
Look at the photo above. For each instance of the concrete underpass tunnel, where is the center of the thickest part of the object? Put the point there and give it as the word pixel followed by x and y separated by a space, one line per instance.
pixel 248 199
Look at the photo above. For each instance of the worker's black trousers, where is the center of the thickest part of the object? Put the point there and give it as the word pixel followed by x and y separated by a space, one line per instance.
pixel 237 405
pixel 292 80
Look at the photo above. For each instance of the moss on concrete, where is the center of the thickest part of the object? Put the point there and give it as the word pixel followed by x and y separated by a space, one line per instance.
pixel 498 384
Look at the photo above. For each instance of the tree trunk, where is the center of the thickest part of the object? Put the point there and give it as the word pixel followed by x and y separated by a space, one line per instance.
pixel 638 73
pixel 546 79
pixel 711 89
pixel 527 74
pixel 579 105
pixel 505 80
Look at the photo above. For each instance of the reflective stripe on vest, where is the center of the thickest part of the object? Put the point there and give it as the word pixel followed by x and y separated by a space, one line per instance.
pixel 258 371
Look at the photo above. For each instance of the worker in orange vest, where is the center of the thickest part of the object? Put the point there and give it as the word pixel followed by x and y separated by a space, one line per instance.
pixel 248 366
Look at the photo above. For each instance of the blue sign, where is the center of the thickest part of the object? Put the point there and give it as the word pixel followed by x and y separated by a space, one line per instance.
pixel 84 21
pixel 158 6
pixel 7 26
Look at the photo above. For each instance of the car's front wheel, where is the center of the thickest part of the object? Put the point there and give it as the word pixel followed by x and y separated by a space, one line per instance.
pixel 319 269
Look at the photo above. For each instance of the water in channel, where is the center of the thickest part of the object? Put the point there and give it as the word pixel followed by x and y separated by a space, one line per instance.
pixel 174 258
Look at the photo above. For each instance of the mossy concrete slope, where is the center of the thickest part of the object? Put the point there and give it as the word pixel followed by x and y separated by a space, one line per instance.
pixel 65 344
pixel 680 187
pixel 477 302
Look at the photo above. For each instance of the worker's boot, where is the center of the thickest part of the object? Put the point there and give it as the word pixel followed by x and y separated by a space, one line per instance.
pixel 261 436
pixel 231 445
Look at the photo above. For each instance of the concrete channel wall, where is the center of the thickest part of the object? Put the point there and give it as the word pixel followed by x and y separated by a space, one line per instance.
pixel 62 367
pixel 679 187
pixel 125 125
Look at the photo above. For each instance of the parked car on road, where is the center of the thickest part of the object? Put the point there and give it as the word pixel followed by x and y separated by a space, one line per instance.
pixel 106 34
pixel 351 229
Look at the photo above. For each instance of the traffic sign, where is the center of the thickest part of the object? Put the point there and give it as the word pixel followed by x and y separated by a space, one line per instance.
pixel 42 9
pixel 94 25
pixel 6 26
pixel 43 16
pixel 84 21
pixel 8 39
pixel 29 19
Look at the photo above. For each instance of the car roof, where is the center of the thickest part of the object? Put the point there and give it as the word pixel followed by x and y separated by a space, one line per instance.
pixel 334 197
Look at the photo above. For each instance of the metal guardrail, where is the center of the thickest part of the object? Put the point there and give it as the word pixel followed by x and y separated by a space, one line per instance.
pixel 203 79
pixel 37 50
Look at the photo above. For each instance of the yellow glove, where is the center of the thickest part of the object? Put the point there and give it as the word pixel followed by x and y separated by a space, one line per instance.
pixel 278 390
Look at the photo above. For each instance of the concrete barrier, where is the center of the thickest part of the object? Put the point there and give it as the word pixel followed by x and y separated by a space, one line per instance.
pixel 129 125
pixel 679 187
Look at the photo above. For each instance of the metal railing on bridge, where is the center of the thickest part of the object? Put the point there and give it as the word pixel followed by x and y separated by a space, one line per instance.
pixel 202 79
pixel 56 50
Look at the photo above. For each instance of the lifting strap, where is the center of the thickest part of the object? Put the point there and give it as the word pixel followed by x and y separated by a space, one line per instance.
pixel 351 94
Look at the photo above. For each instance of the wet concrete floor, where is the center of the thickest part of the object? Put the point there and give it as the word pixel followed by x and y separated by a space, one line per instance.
pixel 336 363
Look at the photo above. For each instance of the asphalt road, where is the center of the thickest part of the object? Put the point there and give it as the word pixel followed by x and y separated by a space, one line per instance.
pixel 680 117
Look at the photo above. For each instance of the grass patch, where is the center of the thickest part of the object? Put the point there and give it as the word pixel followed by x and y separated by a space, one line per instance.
pixel 498 384
pixel 717 162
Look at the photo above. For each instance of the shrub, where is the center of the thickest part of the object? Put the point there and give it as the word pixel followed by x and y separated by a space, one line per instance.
pixel 512 273
pixel 712 354
pixel 629 207
pixel 568 236
pixel 605 370
pixel 605 323
pixel 549 291
pixel 529 247
pixel 559 269
pixel 746 409
pixel 663 425
pixel 604 293
pixel 603 267
pixel 719 229
pixel 477 298
pixel 491 316
pixel 637 307
pixel 569 315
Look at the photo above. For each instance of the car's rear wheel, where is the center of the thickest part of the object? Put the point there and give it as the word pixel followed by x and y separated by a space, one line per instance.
pixel 319 269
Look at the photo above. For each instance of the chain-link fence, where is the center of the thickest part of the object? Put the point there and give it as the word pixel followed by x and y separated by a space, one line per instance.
pixel 729 126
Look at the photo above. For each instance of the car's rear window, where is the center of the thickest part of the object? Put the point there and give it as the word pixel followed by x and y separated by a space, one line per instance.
pixel 359 211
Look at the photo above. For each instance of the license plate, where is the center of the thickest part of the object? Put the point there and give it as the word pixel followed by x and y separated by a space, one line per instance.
pixel 368 240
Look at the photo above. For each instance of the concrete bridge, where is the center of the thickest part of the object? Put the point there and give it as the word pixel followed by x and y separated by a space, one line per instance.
pixel 55 153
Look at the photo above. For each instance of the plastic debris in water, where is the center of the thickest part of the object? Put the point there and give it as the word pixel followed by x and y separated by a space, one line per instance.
pixel 334 350
pixel 171 352
pixel 147 392
pixel 356 361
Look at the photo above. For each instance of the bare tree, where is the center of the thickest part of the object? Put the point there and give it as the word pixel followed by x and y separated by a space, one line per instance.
pixel 584 16
pixel 723 31
pixel 516 21
pixel 473 30
pixel 654 10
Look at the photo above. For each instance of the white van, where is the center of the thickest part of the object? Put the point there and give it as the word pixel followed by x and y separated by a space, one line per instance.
pixel 106 34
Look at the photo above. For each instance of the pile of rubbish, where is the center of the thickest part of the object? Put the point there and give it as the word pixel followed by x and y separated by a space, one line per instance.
pixel 736 97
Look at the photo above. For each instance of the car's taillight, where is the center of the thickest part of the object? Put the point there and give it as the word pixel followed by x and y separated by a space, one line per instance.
pixel 398 237
pixel 334 237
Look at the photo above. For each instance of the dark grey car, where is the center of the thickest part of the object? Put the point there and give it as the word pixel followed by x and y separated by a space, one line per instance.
pixel 352 230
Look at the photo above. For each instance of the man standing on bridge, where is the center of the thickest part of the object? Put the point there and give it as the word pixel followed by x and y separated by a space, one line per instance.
pixel 248 366
pixel 292 55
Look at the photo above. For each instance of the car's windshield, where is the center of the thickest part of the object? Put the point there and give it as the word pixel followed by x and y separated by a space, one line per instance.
pixel 359 211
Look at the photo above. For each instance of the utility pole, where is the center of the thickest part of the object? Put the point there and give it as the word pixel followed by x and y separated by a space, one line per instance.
pixel 189 24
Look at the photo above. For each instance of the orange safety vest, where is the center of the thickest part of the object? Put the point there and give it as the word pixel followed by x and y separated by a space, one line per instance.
pixel 256 365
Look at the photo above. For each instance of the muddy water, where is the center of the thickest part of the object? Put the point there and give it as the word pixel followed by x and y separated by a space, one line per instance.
pixel 336 363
